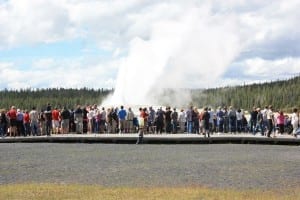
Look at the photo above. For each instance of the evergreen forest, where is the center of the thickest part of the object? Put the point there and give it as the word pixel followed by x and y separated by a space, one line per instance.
pixel 282 94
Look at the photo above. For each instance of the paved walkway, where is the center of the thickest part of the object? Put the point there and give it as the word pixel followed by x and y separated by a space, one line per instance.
pixel 157 138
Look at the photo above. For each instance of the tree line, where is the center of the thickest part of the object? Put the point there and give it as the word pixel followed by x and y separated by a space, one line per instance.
pixel 57 97
pixel 282 94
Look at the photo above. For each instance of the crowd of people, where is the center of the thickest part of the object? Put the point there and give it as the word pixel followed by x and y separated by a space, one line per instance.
pixel 91 119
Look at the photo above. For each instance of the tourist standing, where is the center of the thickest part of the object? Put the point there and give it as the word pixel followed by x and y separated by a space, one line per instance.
pixel 27 123
pixel 182 121
pixel 130 117
pixel 55 120
pixel 174 117
pixel 280 122
pixel 142 123
pixel 48 120
pixel 65 120
pixel 189 120
pixel 232 119
pixel 90 117
pixel 220 120
pixel 196 120
pixel 270 117
pixel 20 124
pixel 151 120
pixel 239 117
pixel 12 116
pixel 3 124
pixel 160 121
pixel 78 117
pixel 253 120
pixel 122 119
pixel 295 121
pixel 168 120
pixel 102 120
pixel 260 121
pixel 34 121
pixel 205 118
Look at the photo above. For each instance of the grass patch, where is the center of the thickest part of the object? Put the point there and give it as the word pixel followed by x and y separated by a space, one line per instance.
pixel 89 192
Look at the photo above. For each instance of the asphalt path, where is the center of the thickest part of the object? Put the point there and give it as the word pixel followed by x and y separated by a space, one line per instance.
pixel 240 166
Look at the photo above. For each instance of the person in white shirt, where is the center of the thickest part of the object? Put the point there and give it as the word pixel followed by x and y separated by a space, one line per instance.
pixel 295 121
pixel 182 121
pixel 239 118
pixel 270 117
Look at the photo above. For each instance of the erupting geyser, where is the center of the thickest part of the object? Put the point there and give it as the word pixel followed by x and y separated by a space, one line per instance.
pixel 190 50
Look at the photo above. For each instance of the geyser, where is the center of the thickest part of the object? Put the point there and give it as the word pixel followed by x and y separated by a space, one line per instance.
pixel 191 50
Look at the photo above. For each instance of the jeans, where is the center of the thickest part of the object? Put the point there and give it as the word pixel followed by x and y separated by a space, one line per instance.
pixel 35 128
pixel 1 130
pixel 48 127
pixel 190 126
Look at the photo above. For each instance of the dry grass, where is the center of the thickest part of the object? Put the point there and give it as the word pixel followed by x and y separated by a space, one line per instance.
pixel 88 192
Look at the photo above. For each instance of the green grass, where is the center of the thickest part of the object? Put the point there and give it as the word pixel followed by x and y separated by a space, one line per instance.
pixel 89 192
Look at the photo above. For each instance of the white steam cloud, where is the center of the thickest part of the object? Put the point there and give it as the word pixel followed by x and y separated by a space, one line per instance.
pixel 192 50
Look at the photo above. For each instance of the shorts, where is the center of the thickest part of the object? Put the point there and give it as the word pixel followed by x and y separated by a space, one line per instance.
pixel 13 122
pixel 65 123
pixel 55 123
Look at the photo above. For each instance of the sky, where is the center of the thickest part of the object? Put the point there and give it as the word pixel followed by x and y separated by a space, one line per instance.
pixel 121 44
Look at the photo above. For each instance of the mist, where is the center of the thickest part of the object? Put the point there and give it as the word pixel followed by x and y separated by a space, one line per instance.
pixel 192 50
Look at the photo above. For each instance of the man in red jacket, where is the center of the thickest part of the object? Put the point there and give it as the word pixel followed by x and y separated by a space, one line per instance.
pixel 12 115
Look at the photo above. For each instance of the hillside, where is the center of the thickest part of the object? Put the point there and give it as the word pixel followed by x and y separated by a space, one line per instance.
pixel 282 94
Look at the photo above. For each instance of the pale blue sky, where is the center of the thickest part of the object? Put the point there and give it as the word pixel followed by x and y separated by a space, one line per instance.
pixel 42 42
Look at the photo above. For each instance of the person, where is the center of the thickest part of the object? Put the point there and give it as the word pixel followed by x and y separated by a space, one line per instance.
pixel 232 120
pixel 97 122
pixel 3 123
pixel 226 120
pixel 42 122
pixel 102 120
pixel 182 121
pixel 211 120
pixel 245 127
pixel 27 123
pixel 260 121
pixel 90 118
pixel 84 120
pixel 189 120
pixel 130 117
pixel 253 120
pixel 220 120
pixel 12 116
pixel 196 120
pixel 239 117
pixel 109 120
pixel 270 117
pixel 78 117
pixel 48 120
pixel 160 121
pixel 151 120
pixel 280 122
pixel 295 121
pixel 168 120
pixel 34 121
pixel 205 118
pixel 174 116
pixel 65 119
pixel 142 122
pixel 55 120
pixel 265 118
pixel 20 124
pixel 122 119
pixel 115 119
